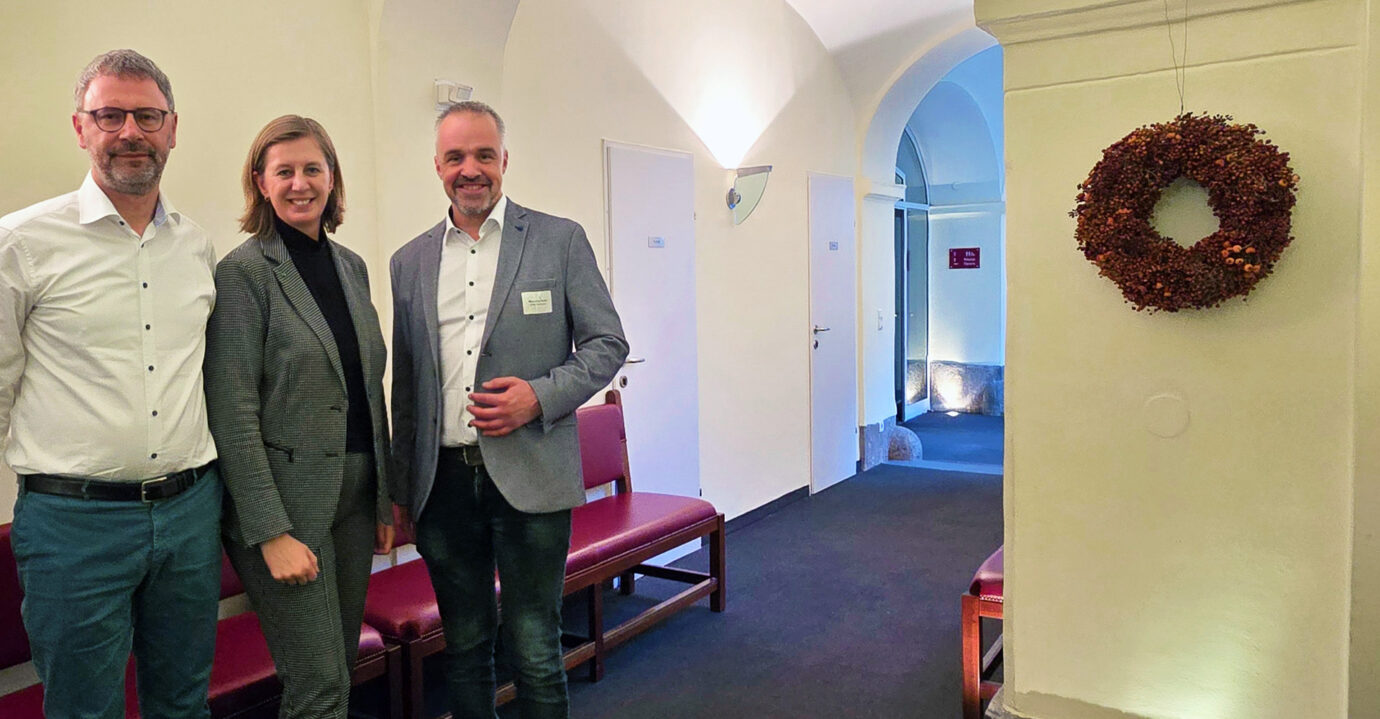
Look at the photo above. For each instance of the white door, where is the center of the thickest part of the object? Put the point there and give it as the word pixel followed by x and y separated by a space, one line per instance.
pixel 650 197
pixel 832 335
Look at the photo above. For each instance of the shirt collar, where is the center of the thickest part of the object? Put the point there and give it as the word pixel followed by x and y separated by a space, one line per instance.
pixel 93 204
pixel 495 216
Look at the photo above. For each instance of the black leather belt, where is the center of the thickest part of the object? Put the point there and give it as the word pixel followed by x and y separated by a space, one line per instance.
pixel 467 453
pixel 148 490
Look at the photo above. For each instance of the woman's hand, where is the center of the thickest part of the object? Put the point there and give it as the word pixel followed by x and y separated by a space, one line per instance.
pixel 288 560
pixel 383 538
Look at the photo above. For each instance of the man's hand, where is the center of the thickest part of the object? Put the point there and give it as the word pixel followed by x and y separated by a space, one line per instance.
pixel 510 404
pixel 288 560
pixel 383 538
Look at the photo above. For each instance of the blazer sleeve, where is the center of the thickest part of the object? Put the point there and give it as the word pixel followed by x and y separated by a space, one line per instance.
pixel 595 331
pixel 234 364
pixel 404 394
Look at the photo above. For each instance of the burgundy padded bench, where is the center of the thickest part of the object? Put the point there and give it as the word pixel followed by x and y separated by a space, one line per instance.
pixel 242 678
pixel 612 537
pixel 984 598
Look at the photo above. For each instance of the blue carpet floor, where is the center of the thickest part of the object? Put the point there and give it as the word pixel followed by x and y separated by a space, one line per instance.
pixel 967 438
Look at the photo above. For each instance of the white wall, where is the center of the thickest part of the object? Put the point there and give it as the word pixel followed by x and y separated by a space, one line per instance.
pixel 966 322
pixel 579 71
pixel 1206 574
pixel 881 118
pixel 956 127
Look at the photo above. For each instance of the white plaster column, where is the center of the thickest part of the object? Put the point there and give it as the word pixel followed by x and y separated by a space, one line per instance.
pixel 1208 573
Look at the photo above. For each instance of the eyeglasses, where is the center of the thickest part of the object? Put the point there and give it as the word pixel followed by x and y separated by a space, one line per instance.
pixel 111 119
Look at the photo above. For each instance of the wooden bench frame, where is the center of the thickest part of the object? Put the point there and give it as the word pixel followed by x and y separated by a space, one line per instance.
pixel 592 581
pixel 978 667
pixel 625 566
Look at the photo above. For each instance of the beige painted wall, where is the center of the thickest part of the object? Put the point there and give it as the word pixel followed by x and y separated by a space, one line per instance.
pixel 233 67
pixel 668 74
pixel 570 75
pixel 1365 585
pixel 1207 574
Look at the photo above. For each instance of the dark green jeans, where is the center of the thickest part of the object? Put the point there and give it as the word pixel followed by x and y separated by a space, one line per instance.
pixel 466 530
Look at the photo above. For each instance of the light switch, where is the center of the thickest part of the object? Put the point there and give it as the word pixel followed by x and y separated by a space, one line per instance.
pixel 880 321
pixel 656 242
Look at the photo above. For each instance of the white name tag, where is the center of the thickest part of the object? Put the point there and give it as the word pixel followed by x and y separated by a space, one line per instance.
pixel 536 303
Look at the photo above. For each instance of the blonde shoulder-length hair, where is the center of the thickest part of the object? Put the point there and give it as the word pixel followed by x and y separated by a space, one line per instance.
pixel 258 211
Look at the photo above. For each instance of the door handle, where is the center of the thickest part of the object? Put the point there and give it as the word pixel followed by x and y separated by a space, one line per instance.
pixel 819 329
pixel 635 360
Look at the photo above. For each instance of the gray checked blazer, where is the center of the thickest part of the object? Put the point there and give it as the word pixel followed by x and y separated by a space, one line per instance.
pixel 567 355
pixel 275 392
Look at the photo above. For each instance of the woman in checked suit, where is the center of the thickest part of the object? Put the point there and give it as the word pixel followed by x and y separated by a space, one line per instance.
pixel 294 388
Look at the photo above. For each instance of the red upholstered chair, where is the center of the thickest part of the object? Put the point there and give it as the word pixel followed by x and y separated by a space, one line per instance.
pixel 616 535
pixel 983 599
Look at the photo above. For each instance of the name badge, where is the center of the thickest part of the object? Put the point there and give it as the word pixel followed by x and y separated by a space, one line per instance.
pixel 536 303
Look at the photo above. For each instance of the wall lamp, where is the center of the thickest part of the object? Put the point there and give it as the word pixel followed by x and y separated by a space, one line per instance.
pixel 448 93
pixel 746 192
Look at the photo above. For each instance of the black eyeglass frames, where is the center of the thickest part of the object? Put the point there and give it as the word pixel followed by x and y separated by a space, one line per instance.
pixel 111 119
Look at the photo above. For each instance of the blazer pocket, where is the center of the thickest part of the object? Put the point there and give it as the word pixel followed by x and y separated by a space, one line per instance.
pixel 532 285
pixel 284 450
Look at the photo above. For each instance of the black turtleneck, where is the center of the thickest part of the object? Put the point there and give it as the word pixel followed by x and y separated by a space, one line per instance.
pixel 315 264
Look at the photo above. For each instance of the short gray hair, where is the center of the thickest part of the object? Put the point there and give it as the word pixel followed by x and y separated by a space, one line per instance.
pixel 475 107
pixel 127 64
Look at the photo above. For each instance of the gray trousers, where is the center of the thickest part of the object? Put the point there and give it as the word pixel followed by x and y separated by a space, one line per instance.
pixel 313 629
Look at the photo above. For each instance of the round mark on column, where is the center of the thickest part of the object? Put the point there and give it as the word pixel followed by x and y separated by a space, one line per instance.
pixel 1166 415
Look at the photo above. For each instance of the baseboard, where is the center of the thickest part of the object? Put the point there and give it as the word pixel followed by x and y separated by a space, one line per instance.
pixel 755 515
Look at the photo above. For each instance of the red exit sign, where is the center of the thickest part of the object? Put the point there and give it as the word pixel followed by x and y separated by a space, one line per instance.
pixel 965 258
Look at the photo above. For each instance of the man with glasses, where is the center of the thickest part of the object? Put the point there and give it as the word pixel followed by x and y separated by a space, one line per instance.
pixel 104 298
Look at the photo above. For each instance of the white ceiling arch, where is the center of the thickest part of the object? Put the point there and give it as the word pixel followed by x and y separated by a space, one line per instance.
pixel 841 25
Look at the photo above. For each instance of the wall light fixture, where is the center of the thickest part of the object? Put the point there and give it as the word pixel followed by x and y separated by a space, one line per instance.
pixel 748 185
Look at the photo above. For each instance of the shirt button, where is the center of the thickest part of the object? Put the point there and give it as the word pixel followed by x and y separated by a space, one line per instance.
pixel 469 352
pixel 150 368
pixel 471 316
pixel 148 327
pixel 155 413
pixel 474 252
pixel 153 456
pixel 147 284
pixel 471 285
pixel 467 389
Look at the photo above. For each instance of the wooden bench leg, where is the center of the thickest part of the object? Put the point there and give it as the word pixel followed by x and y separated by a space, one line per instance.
pixel 395 683
pixel 627 582
pixel 414 704
pixel 716 567
pixel 971 625
pixel 596 632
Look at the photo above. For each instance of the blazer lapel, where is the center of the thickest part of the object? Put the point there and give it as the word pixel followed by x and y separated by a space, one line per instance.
pixel 429 278
pixel 300 297
pixel 509 258
pixel 357 301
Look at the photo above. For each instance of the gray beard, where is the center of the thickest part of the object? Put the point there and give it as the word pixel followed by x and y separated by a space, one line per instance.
pixel 129 181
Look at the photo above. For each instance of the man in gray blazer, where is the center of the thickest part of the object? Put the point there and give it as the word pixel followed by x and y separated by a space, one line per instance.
pixel 502 327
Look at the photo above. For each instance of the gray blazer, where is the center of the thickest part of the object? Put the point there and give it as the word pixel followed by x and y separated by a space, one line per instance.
pixel 275 392
pixel 566 355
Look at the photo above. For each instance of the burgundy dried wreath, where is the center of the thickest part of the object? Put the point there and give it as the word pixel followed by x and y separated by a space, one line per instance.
pixel 1250 189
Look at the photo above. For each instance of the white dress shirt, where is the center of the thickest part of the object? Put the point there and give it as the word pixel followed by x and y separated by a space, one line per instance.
pixel 463 290
pixel 102 335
